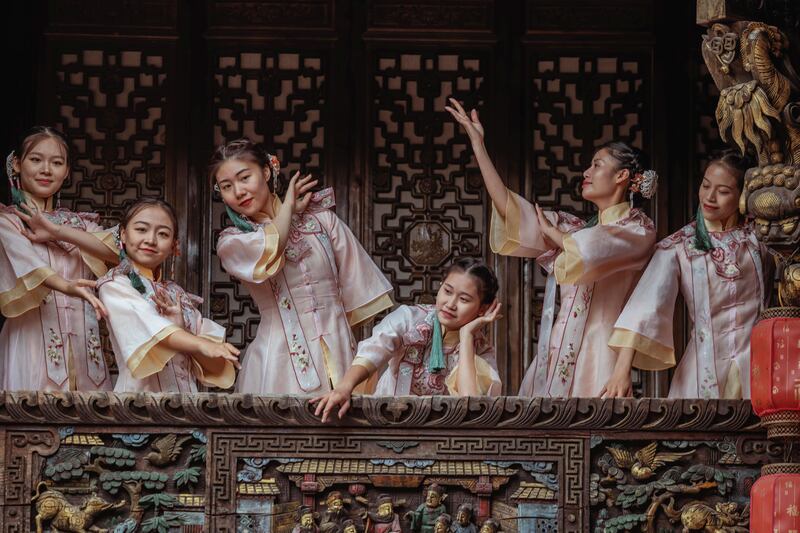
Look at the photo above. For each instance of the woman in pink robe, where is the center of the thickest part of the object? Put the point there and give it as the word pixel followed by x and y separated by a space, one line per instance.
pixel 716 264
pixel 50 339
pixel 310 277
pixel 160 340
pixel 425 350
pixel 596 265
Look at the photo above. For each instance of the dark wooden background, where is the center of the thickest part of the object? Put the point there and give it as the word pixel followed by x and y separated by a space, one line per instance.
pixel 353 91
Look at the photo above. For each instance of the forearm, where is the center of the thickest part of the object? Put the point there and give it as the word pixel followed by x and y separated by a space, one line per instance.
pixel 624 360
pixel 283 224
pixel 88 243
pixel 494 183
pixel 353 377
pixel 184 342
pixel 467 376
pixel 57 283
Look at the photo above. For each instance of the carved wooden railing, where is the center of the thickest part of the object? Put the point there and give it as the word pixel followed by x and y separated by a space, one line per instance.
pixel 214 462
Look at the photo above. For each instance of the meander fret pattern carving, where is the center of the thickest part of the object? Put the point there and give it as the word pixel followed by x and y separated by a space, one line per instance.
pixel 112 104
pixel 426 199
pixel 278 98
pixel 576 102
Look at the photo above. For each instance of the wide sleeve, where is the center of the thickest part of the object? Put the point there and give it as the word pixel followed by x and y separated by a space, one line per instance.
pixel 251 256
pixel 518 233
pixel 595 253
pixel 386 340
pixel 486 373
pixel 364 288
pixel 216 371
pixel 137 328
pixel 646 321
pixel 22 271
pixel 108 237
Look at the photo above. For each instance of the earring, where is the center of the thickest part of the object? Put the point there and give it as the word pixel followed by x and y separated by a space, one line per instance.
pixel 58 200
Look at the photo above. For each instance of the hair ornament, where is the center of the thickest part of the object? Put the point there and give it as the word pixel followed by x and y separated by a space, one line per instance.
pixel 645 183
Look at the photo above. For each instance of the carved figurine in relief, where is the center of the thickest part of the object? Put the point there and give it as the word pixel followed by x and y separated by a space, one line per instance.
pixel 463 522
pixel 759 114
pixel 443 523
pixel 490 525
pixel 52 506
pixel 427 350
pixel 309 276
pixel 308 521
pixel 385 520
pixel 594 263
pixel 349 526
pixel 334 515
pixel 423 520
pixel 644 463
pixel 724 517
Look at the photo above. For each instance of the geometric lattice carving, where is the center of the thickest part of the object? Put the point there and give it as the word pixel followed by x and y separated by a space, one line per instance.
pixel 279 99
pixel 422 175
pixel 112 104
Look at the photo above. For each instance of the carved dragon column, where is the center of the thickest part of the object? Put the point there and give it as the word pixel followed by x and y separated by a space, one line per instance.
pixel 758 113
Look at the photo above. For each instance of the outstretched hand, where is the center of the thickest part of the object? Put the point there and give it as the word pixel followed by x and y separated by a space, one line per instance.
pixel 298 194
pixel 167 307
pixel 329 401
pixel 471 123
pixel 83 288
pixel 551 233
pixel 491 314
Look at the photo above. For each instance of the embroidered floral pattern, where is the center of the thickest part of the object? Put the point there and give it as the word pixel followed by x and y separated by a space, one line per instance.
pixel 54 347
pixel 93 348
pixel 299 353
pixel 285 303
pixel 566 364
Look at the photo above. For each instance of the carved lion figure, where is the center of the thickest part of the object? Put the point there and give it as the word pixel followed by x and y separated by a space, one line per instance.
pixel 724 517
pixel 51 505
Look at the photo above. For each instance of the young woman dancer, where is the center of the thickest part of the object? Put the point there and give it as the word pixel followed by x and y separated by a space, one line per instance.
pixel 715 262
pixel 310 277
pixel 50 339
pixel 595 264
pixel 160 340
pixel 430 349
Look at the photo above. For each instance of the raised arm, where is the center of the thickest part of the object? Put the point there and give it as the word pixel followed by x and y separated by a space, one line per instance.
pixel 472 125
pixel 40 229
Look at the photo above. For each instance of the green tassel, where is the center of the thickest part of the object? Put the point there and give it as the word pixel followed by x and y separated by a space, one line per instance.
pixel 238 221
pixel 18 199
pixel 436 362
pixel 592 222
pixel 137 282
pixel 701 239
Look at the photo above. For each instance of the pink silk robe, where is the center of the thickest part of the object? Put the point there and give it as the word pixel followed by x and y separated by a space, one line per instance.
pixel 403 342
pixel 596 271
pixel 136 329
pixel 308 298
pixel 724 292
pixel 50 341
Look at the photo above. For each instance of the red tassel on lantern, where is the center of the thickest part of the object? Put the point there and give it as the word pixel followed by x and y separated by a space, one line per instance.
pixel 775 504
pixel 775 374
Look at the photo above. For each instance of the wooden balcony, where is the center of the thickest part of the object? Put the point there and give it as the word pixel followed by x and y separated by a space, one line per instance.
pixel 228 462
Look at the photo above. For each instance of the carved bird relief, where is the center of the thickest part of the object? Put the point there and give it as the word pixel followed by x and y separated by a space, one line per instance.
pixel 644 463
pixel 168 449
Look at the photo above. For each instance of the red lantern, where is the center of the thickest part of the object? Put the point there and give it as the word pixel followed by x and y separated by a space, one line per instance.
pixel 775 373
pixel 775 503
